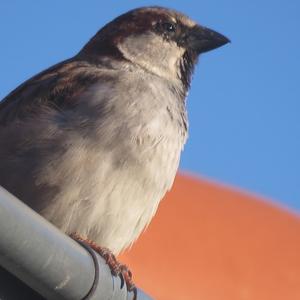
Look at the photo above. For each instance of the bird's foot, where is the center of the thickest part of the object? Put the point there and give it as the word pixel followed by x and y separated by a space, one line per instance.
pixel 115 266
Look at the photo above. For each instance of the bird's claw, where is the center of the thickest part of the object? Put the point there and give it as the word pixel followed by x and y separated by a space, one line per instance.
pixel 116 268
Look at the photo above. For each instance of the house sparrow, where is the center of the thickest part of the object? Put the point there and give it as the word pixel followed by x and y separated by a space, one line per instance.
pixel 93 143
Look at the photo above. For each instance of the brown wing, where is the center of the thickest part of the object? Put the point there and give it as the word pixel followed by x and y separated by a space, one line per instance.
pixel 54 87
pixel 28 147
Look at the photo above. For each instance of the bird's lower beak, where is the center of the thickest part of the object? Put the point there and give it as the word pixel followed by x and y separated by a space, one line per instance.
pixel 202 39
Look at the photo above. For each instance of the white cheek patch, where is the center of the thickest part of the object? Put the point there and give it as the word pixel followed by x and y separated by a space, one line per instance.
pixel 152 52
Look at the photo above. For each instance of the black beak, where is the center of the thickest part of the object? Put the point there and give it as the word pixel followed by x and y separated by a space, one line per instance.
pixel 202 39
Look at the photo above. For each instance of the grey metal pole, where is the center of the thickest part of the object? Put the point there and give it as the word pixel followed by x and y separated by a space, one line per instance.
pixel 48 261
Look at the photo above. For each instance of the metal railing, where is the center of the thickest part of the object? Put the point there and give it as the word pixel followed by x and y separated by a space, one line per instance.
pixel 51 263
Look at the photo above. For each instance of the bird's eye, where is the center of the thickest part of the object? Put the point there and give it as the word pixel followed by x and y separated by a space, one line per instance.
pixel 169 27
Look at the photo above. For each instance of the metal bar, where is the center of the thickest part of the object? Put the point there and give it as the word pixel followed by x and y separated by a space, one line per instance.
pixel 50 262
pixel 11 288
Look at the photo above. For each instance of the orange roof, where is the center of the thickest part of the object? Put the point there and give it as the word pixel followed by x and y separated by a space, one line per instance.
pixel 210 242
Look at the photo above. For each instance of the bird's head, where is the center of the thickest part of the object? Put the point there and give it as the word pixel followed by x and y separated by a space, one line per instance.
pixel 162 41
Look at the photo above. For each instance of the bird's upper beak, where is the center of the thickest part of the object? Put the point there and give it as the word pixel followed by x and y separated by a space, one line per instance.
pixel 202 39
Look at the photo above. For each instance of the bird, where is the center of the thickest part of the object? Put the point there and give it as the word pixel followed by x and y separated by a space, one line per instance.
pixel 93 143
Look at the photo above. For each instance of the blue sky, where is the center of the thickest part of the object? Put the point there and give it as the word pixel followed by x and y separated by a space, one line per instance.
pixel 244 105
